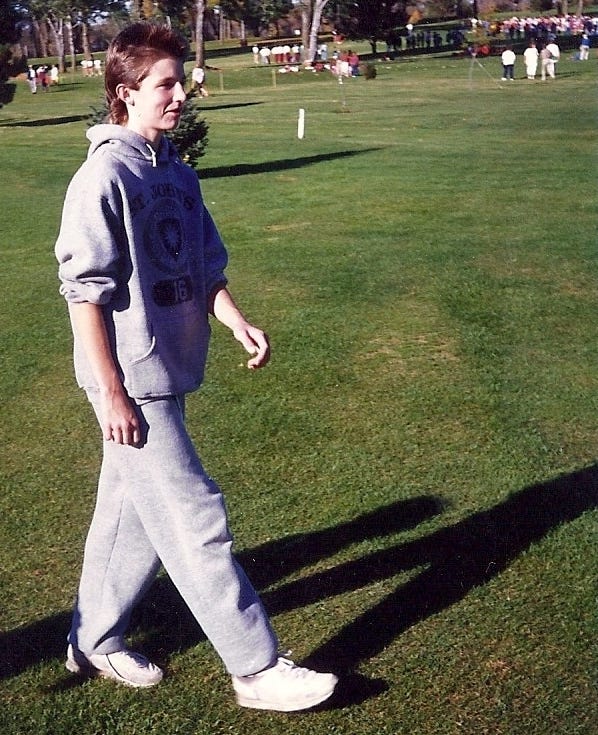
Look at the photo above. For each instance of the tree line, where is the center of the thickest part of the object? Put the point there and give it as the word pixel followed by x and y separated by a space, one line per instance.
pixel 63 28
pixel 66 28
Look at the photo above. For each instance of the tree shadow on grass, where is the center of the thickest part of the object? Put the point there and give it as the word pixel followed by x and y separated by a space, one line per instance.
pixel 455 560
pixel 45 121
pixel 244 169
pixel 65 86
pixel 228 106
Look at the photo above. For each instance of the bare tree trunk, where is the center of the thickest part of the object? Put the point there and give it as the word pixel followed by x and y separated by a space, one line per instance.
pixel 200 8
pixel 70 41
pixel 35 38
pixel 56 27
pixel 305 25
pixel 85 39
pixel 40 38
pixel 316 19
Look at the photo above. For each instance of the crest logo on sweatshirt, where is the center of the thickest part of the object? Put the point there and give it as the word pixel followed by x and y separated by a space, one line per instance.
pixel 164 237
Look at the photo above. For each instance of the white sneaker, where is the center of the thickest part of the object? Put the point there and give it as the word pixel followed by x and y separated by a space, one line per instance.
pixel 126 667
pixel 284 687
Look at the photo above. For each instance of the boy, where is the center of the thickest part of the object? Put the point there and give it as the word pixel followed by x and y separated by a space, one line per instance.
pixel 141 267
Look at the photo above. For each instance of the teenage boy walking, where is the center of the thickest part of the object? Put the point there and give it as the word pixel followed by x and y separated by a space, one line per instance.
pixel 142 267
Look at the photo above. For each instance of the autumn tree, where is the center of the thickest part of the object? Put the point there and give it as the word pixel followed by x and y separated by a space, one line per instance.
pixel 373 20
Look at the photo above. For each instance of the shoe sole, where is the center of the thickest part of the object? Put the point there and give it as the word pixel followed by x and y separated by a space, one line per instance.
pixel 243 701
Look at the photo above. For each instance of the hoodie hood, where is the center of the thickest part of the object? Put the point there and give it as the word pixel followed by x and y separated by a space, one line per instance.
pixel 125 142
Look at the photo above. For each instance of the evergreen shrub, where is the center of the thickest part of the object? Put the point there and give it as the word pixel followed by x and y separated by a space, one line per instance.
pixel 370 71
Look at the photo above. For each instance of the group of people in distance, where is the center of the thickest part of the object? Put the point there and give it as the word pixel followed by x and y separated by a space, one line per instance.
pixel 547 56
pixel 345 64
pixel 516 28
pixel 43 76
pixel 91 67
pixel 279 54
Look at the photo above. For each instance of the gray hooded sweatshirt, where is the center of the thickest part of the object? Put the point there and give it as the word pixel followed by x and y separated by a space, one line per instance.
pixel 137 239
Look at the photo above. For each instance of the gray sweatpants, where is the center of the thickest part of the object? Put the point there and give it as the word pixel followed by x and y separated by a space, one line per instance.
pixel 156 505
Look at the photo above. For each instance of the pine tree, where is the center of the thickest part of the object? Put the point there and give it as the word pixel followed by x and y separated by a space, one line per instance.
pixel 191 135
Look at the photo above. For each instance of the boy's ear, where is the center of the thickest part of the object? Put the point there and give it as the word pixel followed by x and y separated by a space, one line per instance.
pixel 124 94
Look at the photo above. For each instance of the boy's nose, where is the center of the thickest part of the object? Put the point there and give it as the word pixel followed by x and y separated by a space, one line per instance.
pixel 179 93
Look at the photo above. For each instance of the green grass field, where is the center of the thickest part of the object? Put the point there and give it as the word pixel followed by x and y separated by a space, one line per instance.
pixel 412 482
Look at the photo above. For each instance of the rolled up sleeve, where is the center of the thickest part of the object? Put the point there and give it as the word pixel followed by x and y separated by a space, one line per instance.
pixel 89 245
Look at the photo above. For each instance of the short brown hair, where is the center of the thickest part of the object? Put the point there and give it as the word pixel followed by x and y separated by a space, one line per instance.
pixel 130 57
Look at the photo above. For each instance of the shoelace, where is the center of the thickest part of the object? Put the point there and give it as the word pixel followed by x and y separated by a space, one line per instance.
pixel 293 669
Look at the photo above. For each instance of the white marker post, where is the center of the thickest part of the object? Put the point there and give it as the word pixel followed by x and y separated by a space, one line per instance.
pixel 301 124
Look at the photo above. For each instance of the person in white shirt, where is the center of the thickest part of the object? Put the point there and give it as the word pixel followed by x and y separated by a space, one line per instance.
pixel 530 57
pixel 508 64
pixel 198 76
pixel 555 55
pixel 548 58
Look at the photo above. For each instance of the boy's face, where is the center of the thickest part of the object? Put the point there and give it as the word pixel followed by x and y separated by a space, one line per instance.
pixel 158 103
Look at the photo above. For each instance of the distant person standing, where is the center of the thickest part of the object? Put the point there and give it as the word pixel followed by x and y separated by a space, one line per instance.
pixel 42 75
pixel 547 61
pixel 584 48
pixel 530 58
pixel 265 55
pixel 508 64
pixel 546 64
pixel 555 55
pixel 54 75
pixel 198 77
pixel 32 79
pixel 255 50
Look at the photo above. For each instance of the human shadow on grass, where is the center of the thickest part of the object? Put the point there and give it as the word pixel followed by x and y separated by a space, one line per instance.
pixel 284 164
pixel 164 622
pixel 454 560
pixel 459 558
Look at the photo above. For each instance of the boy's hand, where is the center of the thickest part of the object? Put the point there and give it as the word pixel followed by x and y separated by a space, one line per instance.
pixel 120 423
pixel 256 343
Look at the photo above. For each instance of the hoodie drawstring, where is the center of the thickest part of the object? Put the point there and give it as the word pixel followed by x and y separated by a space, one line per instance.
pixel 153 155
